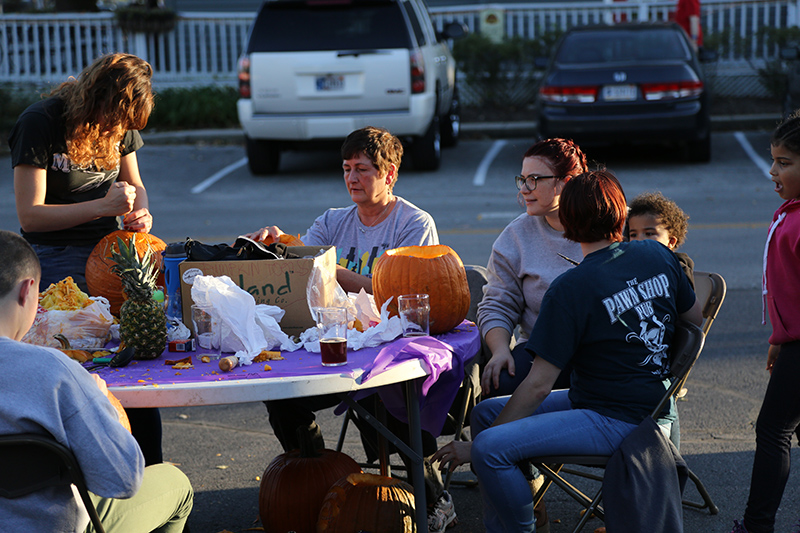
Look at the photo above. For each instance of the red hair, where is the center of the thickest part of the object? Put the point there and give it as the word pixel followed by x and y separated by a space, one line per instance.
pixel 593 208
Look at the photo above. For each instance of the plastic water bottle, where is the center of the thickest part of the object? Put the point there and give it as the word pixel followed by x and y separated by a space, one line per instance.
pixel 174 255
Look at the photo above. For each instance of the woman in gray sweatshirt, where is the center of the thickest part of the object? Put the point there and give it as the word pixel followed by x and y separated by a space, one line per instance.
pixel 527 256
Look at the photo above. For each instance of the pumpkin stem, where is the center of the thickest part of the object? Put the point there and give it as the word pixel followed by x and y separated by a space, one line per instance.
pixel 308 445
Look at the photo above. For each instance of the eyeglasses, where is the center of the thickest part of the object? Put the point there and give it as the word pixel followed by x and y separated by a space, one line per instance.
pixel 531 181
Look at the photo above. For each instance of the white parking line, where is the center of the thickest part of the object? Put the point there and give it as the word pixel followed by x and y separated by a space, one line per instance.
pixel 480 175
pixel 211 180
pixel 748 149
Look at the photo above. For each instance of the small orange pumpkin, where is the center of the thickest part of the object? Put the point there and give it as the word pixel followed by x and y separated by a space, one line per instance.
pixel 99 277
pixel 295 483
pixel 435 270
pixel 285 238
pixel 367 502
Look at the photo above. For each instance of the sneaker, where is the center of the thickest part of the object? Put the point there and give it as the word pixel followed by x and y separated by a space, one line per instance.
pixel 442 515
pixel 738 527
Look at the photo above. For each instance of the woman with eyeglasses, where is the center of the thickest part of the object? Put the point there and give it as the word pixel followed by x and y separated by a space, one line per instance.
pixel 527 256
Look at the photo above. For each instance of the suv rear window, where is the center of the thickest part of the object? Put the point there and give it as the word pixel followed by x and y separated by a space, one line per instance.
pixel 622 45
pixel 315 25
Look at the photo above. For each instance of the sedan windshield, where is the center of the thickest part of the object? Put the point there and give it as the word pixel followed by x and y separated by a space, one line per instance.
pixel 607 46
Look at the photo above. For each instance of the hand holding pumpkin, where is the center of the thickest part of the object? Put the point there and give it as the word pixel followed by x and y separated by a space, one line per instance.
pixel 140 221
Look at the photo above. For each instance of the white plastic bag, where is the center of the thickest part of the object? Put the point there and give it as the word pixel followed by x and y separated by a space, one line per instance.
pixel 245 330
pixel 86 328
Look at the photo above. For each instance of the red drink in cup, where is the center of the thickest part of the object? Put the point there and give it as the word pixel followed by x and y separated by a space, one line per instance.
pixel 334 351
pixel 332 328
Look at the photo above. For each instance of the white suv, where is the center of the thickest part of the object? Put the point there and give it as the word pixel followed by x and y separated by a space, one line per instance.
pixel 315 70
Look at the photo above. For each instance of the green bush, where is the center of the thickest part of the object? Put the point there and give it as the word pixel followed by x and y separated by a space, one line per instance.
pixel 175 109
pixel 194 108
pixel 494 70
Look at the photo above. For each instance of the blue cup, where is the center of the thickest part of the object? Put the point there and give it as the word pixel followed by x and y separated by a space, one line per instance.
pixel 174 255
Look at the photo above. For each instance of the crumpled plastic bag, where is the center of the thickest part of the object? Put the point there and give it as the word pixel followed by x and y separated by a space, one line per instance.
pixel 386 331
pixel 323 290
pixel 246 331
pixel 86 328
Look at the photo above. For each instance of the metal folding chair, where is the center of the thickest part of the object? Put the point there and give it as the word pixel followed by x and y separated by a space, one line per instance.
pixel 468 395
pixel 30 462
pixel 687 343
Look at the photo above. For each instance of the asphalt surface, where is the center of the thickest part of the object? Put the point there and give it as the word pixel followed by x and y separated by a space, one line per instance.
pixel 225 449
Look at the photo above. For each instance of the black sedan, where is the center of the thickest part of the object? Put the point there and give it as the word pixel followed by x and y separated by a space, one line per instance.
pixel 626 83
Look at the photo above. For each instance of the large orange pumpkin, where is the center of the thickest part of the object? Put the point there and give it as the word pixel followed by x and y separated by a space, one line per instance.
pixel 99 277
pixel 367 502
pixel 434 270
pixel 123 416
pixel 295 483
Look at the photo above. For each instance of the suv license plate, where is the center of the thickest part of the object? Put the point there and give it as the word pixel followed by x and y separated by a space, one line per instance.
pixel 619 93
pixel 330 82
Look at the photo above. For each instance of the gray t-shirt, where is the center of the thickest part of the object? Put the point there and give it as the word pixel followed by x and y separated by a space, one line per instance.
pixel 47 393
pixel 523 264
pixel 358 246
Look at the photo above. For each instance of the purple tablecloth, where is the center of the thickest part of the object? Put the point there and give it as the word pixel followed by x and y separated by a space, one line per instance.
pixel 437 391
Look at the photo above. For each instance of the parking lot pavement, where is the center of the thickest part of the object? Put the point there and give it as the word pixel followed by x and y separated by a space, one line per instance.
pixel 225 449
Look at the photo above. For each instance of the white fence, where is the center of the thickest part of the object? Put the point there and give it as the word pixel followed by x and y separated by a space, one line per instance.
pixel 204 47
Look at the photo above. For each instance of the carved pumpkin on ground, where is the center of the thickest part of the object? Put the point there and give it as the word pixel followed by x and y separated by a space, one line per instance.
pixel 99 277
pixel 433 270
pixel 367 502
pixel 295 484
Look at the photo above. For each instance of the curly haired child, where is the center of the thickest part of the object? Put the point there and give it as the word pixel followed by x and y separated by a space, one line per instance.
pixel 653 216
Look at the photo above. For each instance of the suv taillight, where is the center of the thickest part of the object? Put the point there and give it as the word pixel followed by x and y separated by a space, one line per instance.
pixel 244 76
pixel 671 91
pixel 417 72
pixel 569 95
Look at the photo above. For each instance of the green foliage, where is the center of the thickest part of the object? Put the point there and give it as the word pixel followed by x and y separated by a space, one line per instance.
pixel 773 74
pixel 135 18
pixel 13 101
pixel 176 109
pixel 493 69
pixel 197 107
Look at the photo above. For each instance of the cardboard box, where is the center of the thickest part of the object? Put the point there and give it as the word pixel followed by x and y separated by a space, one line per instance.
pixel 280 282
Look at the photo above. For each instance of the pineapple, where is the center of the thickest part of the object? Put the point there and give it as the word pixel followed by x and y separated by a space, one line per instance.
pixel 143 324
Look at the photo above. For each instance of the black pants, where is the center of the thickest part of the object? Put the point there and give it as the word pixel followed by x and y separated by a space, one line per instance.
pixel 778 420
pixel 286 416
pixel 146 429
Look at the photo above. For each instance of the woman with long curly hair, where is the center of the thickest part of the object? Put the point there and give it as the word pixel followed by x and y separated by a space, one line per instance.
pixel 75 172
pixel 75 167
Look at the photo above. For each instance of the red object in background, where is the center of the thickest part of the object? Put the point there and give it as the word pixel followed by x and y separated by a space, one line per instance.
pixel 683 13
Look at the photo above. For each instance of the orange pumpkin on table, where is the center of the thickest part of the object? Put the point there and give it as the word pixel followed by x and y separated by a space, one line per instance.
pixel 434 270
pixel 99 277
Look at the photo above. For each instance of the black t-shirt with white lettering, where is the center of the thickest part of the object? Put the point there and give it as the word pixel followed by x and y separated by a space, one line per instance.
pixel 39 139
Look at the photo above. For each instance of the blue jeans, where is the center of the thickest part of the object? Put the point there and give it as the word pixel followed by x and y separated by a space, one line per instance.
pixel 555 428
pixel 58 262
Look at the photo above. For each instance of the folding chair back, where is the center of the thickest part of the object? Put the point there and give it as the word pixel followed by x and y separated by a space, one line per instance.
pixel 710 289
pixel 685 348
pixel 30 462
